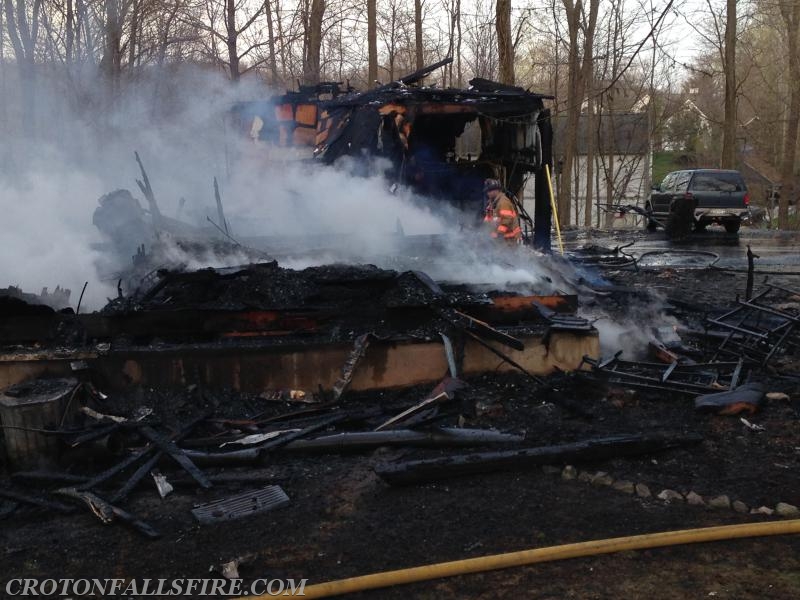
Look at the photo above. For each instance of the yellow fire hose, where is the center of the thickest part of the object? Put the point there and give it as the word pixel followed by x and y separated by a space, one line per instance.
pixel 528 557
pixel 554 208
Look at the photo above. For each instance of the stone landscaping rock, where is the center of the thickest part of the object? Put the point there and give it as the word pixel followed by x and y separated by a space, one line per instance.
pixel 602 478
pixel 720 502
pixel 642 490
pixel 569 473
pixel 762 510
pixel 787 510
pixel 740 507
pixel 623 486
pixel 695 499
pixel 670 496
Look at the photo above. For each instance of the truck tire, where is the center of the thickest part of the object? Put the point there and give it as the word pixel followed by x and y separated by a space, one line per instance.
pixel 733 225
pixel 700 226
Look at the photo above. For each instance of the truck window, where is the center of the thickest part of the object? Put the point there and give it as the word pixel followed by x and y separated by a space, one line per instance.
pixel 666 185
pixel 717 182
pixel 682 181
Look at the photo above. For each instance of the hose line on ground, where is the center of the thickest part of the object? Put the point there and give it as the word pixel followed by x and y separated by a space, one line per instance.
pixel 553 553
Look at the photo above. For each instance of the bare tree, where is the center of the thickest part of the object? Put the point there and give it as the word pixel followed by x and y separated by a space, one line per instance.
pixel 480 41
pixel 22 23
pixel 372 42
pixel 236 32
pixel 729 65
pixel 311 66
pixel 418 41
pixel 579 59
pixel 505 45
pixel 790 13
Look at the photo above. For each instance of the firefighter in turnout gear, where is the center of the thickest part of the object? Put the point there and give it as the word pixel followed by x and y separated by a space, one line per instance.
pixel 500 214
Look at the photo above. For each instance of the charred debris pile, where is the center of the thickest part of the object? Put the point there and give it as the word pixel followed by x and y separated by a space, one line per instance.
pixel 85 440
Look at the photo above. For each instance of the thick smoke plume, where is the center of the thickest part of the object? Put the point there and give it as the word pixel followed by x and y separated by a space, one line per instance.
pixel 52 179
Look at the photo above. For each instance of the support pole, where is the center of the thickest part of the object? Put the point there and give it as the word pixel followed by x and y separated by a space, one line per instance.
pixel 542 214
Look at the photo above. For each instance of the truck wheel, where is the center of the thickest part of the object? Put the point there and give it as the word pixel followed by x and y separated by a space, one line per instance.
pixel 732 226
pixel 700 226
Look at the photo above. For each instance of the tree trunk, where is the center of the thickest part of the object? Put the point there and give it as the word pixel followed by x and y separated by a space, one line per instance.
pixel 112 55
pixel 23 36
pixel 589 201
pixel 418 34
pixel 451 34
pixel 505 45
pixel 573 111
pixel 134 35
pixel 281 39
pixel 83 24
pixel 311 71
pixel 610 190
pixel 372 43
pixel 587 83
pixel 459 71
pixel 392 42
pixel 729 129
pixel 273 61
pixel 791 19
pixel 70 41
pixel 231 39
pixel 2 71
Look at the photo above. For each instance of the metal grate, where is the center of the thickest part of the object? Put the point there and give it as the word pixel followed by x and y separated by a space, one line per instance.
pixel 242 505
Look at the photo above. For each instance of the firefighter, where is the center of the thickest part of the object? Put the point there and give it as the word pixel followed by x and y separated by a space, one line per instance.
pixel 500 214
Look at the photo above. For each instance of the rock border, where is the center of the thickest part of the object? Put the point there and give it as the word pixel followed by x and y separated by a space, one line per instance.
pixel 669 496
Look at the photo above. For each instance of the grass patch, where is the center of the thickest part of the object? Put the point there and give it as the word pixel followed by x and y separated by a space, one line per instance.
pixel 663 163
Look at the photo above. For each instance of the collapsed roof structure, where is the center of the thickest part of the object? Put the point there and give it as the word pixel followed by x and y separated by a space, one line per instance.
pixel 441 142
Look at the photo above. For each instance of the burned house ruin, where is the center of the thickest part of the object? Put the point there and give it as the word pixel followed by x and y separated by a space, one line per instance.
pixel 442 142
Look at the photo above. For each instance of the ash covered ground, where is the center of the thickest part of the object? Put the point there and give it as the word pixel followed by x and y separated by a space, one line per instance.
pixel 343 520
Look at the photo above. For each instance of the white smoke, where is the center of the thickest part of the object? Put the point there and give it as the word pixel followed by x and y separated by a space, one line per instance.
pixel 307 213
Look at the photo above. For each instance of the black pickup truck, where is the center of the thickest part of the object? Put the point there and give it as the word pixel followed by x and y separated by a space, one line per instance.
pixel 699 197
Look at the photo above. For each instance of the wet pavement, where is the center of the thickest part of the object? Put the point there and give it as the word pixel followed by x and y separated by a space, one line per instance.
pixel 778 251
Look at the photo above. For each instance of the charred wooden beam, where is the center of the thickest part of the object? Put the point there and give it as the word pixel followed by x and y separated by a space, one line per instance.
pixel 505 357
pixel 147 191
pixel 420 471
pixel 95 434
pixel 34 500
pixel 424 71
pixel 484 330
pixel 255 453
pixel 139 455
pixel 47 477
pixel 176 454
pixel 427 405
pixel 355 356
pixel 107 512
pixel 439 438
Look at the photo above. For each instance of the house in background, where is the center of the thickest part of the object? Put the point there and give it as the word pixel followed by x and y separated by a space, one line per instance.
pixel 687 129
